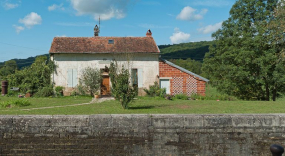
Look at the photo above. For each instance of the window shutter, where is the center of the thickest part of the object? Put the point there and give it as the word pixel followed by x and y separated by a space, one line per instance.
pixel 69 78
pixel 74 78
pixel 140 78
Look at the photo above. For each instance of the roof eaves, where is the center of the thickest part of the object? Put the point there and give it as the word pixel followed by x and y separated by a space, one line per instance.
pixel 184 70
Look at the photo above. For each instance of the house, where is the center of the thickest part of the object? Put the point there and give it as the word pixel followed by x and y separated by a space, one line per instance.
pixel 140 54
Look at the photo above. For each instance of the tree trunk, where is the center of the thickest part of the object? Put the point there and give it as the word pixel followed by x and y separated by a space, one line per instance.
pixel 267 92
pixel 274 94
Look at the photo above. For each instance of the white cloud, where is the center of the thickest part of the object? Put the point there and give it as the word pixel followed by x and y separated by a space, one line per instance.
pixel 106 9
pixel 191 14
pixel 9 6
pixel 31 19
pixel 56 7
pixel 179 37
pixel 18 28
pixel 210 28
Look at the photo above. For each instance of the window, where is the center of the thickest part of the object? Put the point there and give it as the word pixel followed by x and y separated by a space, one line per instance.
pixel 137 77
pixel 110 41
pixel 165 83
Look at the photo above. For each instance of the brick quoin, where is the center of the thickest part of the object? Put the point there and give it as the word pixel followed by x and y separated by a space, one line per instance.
pixel 165 70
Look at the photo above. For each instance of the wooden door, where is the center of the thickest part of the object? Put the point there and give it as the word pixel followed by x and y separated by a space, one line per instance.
pixel 105 86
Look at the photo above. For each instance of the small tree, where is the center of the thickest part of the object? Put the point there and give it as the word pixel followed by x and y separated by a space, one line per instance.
pixel 121 86
pixel 91 78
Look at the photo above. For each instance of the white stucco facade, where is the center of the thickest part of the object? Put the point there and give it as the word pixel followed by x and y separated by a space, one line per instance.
pixel 146 63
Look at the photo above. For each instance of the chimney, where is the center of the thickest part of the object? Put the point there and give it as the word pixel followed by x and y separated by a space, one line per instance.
pixel 148 33
pixel 96 30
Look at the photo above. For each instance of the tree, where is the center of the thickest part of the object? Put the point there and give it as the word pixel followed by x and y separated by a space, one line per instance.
pixel 244 61
pixel 9 68
pixel 34 78
pixel 91 78
pixel 121 84
pixel 189 64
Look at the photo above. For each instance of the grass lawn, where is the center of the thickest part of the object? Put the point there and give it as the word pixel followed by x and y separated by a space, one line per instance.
pixel 143 105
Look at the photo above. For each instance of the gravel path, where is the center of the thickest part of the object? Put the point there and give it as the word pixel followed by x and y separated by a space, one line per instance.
pixel 81 104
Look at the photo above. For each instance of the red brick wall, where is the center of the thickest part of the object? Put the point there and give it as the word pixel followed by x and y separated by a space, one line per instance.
pixel 166 70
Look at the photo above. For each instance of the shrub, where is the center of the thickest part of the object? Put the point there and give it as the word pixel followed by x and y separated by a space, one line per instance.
pixel 11 93
pixel 155 90
pixel 181 96
pixel 91 79
pixel 59 90
pixel 44 92
pixel 121 87
pixel 18 103
pixel 168 97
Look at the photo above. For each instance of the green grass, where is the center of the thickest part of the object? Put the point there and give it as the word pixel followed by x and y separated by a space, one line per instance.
pixel 144 105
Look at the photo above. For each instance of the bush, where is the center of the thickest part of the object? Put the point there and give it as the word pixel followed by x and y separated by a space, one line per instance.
pixel 45 92
pixel 91 79
pixel 11 93
pixel 155 90
pixel 181 96
pixel 59 90
pixel 18 103
pixel 121 86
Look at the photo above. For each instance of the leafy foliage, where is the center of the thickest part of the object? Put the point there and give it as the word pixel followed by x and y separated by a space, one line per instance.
pixel 8 68
pixel 245 62
pixel 22 63
pixel 45 92
pixel 91 79
pixel 121 85
pixel 33 78
pixel 155 90
pixel 193 50
pixel 181 97
pixel 13 103
pixel 189 64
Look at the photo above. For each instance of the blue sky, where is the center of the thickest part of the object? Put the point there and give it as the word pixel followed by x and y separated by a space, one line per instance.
pixel 28 27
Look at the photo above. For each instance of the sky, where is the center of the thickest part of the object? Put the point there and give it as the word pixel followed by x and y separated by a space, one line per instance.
pixel 28 27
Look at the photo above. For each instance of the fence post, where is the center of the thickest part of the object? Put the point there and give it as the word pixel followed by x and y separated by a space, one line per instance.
pixel 276 150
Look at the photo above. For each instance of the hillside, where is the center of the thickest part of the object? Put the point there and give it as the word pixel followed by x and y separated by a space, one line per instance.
pixel 24 62
pixel 193 50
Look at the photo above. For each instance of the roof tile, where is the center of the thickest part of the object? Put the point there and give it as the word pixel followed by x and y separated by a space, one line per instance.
pixel 101 45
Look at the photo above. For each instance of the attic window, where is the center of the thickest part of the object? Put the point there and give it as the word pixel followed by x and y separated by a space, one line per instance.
pixel 110 41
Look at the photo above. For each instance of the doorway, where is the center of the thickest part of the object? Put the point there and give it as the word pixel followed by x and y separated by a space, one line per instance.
pixel 105 86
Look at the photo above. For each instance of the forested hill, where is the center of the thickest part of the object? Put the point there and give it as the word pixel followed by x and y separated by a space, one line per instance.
pixel 24 62
pixel 193 50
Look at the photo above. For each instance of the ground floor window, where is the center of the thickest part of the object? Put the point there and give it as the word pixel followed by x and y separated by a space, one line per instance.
pixel 165 83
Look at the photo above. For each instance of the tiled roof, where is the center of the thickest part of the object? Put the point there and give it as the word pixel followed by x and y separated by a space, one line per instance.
pixel 184 70
pixel 101 45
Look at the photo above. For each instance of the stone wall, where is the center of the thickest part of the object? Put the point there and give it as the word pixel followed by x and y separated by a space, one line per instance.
pixel 213 135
